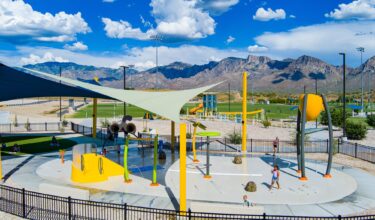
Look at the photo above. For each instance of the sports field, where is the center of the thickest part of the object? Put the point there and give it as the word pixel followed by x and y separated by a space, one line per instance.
pixel 273 111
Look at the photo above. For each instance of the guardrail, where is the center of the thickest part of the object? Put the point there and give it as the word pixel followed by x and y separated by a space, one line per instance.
pixel 39 206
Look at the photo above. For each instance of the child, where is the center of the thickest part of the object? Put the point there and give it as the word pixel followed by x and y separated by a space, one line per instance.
pixel 245 201
pixel 275 177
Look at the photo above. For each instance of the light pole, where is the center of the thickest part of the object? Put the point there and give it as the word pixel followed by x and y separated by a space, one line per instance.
pixel 228 96
pixel 361 50
pixel 344 96
pixel 369 88
pixel 157 39
pixel 316 93
pixel 124 68
pixel 60 96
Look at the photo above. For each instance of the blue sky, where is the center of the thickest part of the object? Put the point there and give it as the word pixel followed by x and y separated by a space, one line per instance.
pixel 116 32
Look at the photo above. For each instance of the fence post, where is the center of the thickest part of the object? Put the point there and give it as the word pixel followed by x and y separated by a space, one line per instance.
pixel 340 217
pixel 83 130
pixel 45 126
pixel 23 203
pixel 70 207
pixel 355 150
pixel 264 215
pixel 251 145
pixel 338 145
pixel 125 211
pixel 10 127
pixel 189 213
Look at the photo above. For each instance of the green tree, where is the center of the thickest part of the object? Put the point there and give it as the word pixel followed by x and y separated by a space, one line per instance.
pixel 371 120
pixel 336 116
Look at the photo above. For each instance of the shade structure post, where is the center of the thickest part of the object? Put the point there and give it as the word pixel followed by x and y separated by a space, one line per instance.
pixel 244 110
pixel 298 140
pixel 126 171
pixel 94 117
pixel 208 176
pixel 154 170
pixel 182 167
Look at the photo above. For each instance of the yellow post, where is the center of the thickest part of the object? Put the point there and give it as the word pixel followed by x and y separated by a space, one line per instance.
pixel 194 150
pixel 244 110
pixel 172 136
pixel 182 167
pixel 94 117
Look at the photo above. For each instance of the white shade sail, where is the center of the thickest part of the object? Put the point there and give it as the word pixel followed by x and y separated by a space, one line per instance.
pixel 166 104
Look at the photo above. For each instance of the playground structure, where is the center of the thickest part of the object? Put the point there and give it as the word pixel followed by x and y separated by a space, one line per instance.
pixel 309 109
pixel 195 109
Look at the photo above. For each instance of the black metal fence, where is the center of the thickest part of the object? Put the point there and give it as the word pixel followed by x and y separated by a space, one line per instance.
pixel 38 206
pixel 31 127
pixel 357 150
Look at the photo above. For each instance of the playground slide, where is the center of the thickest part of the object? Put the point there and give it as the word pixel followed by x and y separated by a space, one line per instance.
pixel 194 110
pixel 95 168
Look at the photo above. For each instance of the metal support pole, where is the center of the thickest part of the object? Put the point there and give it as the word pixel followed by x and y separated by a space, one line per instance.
pixel 298 140
pixel 60 96
pixel 330 131
pixel 173 136
pixel 303 173
pixel 94 118
pixel 316 93
pixel 207 176
pixel 154 170
pixel 244 111
pixel 182 167
pixel 126 171
pixel 344 96
pixel 228 97
pixel 195 160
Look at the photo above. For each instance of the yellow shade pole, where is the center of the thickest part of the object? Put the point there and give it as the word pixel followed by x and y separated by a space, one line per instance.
pixel 94 117
pixel 194 150
pixel 182 167
pixel 244 110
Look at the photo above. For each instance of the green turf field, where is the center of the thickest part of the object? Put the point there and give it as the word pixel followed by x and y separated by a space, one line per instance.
pixel 34 144
pixel 273 111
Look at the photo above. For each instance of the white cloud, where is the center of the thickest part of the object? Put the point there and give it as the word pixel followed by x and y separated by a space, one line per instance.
pixel 142 58
pixel 123 29
pixel 230 39
pixel 108 1
pixel 269 14
pixel 359 9
pixel 19 22
pixel 47 57
pixel 292 16
pixel 257 49
pixel 216 7
pixel 76 46
pixel 322 40
pixel 182 19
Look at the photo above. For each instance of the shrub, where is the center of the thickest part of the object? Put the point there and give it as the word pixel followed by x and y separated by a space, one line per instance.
pixel 27 125
pixel 371 120
pixel 251 186
pixel 188 135
pixel 266 123
pixel 15 122
pixel 237 160
pixel 182 111
pixel 235 138
pixel 356 130
pixel 336 117
pixel 65 123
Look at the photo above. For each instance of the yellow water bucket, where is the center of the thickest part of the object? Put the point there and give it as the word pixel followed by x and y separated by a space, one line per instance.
pixel 314 106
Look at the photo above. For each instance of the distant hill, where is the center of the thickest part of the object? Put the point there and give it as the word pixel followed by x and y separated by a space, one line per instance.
pixel 266 75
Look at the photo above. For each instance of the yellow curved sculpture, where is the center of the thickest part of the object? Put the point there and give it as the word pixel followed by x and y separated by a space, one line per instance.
pixel 314 106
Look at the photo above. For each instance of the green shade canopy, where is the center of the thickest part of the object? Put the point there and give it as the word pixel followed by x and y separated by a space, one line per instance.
pixel 166 104
pixel 209 134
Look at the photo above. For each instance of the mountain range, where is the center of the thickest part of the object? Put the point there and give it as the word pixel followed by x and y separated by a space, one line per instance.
pixel 265 74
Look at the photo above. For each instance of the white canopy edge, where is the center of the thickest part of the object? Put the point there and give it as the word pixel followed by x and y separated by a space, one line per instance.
pixel 166 104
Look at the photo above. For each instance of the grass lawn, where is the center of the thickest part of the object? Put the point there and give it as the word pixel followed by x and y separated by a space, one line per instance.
pixel 34 144
pixel 273 111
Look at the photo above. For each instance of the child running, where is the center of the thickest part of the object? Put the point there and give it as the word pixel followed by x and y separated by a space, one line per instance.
pixel 275 177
